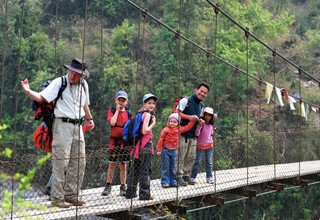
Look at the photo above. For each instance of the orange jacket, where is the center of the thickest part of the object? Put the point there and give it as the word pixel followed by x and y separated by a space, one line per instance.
pixel 169 136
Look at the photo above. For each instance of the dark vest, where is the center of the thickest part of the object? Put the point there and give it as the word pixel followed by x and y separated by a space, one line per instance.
pixel 193 107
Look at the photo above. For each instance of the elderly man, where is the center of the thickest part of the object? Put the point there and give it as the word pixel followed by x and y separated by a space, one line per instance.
pixel 68 145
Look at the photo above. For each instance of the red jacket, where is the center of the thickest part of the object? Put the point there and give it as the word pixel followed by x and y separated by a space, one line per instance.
pixel 169 136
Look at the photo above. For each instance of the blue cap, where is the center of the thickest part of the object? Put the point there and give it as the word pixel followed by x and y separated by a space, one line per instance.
pixel 148 96
pixel 121 94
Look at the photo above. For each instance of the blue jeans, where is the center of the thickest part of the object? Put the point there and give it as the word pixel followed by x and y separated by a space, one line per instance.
pixel 168 167
pixel 196 165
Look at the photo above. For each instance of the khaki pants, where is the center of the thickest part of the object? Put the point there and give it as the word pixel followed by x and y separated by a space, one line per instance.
pixel 186 156
pixel 68 160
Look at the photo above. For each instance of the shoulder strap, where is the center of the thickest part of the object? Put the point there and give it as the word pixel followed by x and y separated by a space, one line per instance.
pixel 61 89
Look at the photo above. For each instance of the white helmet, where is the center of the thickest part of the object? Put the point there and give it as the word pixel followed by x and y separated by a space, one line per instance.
pixel 208 110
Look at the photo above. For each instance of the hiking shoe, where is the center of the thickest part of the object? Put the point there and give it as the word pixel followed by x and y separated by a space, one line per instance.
pixel 61 204
pixel 210 180
pixel 181 182
pixel 192 181
pixel 107 190
pixel 48 191
pixel 146 198
pixel 131 196
pixel 186 179
pixel 123 190
pixel 76 202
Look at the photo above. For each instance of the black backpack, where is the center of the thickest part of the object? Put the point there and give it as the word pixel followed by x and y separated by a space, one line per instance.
pixel 44 110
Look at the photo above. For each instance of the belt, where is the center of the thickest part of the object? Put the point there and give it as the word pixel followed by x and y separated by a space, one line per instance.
pixel 171 148
pixel 72 121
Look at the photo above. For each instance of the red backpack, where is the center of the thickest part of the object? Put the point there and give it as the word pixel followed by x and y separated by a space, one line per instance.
pixel 42 138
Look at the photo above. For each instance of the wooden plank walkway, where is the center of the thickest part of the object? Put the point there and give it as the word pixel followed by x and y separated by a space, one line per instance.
pixel 225 180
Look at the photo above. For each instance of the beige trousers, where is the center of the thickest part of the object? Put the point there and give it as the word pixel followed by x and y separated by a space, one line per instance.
pixel 68 160
pixel 186 156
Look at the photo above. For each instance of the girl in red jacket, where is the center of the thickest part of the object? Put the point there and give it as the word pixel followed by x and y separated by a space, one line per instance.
pixel 167 146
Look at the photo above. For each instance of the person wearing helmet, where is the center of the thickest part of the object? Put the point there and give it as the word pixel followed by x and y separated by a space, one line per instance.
pixel 204 133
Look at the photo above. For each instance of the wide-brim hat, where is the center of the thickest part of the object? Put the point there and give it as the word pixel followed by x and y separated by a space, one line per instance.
pixel 78 66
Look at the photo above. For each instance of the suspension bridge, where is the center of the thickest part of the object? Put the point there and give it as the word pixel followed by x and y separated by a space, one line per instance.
pixel 290 162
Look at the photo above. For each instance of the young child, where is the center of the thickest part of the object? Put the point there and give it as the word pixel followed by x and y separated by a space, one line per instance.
pixel 204 133
pixel 167 146
pixel 117 117
pixel 142 153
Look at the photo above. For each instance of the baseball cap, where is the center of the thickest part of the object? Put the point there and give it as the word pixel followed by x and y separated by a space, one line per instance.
pixel 121 94
pixel 149 96
pixel 208 110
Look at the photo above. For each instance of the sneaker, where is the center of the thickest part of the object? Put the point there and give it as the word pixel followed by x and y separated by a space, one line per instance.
pixel 165 186
pixel 192 181
pixel 181 182
pixel 61 204
pixel 130 196
pixel 107 190
pixel 210 180
pixel 123 190
pixel 173 184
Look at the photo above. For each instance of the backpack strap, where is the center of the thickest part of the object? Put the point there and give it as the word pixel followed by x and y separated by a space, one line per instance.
pixel 61 89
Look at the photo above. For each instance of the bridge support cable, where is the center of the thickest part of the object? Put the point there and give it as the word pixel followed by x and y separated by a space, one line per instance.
pixel 101 101
pixel 80 157
pixel 177 33
pixel 274 118
pixel 247 102
pixel 217 7
pixel 215 90
pixel 178 57
pixel 140 65
pixel 300 111
pixel 16 102
pixel 4 57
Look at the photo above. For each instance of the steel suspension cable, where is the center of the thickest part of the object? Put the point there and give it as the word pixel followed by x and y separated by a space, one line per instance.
pixel 80 102
pixel 274 117
pixel 247 103
pixel 216 7
pixel 17 89
pixel 101 72
pixel 5 42
pixel 299 136
pixel 133 172
pixel 55 37
pixel 200 47
pixel 178 57
pixel 215 90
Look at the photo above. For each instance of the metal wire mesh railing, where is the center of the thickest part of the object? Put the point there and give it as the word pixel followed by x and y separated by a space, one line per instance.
pixel 255 142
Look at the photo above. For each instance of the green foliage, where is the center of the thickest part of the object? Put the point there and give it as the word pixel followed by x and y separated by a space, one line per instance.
pixel 24 183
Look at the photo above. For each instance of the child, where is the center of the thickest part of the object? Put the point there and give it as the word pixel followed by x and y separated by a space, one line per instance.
pixel 143 152
pixel 167 146
pixel 204 133
pixel 117 117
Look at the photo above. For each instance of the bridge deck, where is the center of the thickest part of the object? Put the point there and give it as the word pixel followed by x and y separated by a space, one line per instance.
pixel 225 180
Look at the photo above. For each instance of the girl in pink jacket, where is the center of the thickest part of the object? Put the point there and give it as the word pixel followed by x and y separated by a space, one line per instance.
pixel 204 133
